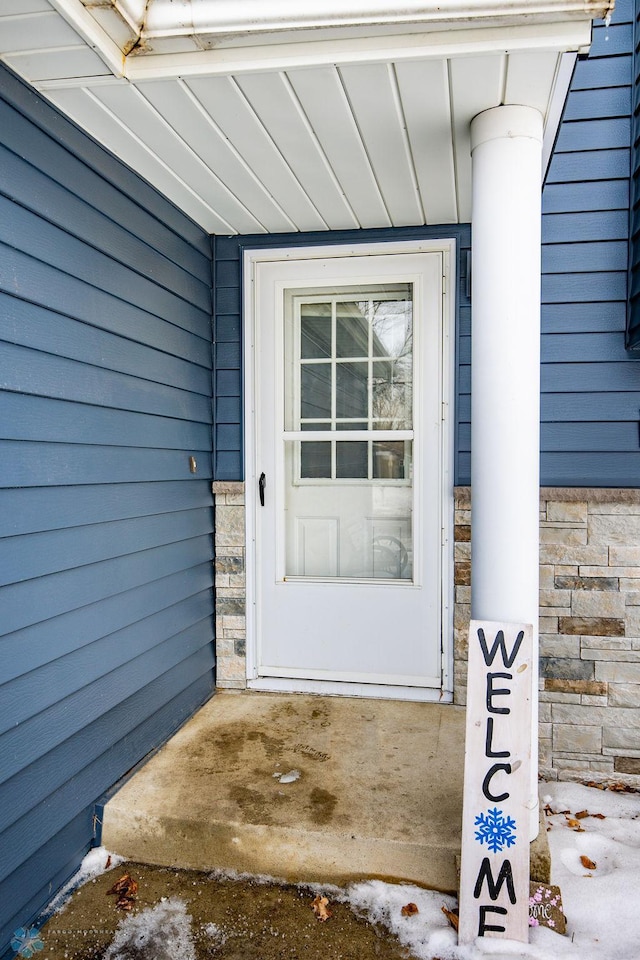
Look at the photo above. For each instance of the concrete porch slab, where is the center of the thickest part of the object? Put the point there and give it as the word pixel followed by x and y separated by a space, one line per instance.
pixel 379 792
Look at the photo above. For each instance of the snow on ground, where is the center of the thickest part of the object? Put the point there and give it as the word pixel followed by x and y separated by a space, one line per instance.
pixel 91 867
pixel 602 906
pixel 162 932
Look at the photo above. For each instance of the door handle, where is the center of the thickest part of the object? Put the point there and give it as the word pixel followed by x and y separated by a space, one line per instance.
pixel 262 482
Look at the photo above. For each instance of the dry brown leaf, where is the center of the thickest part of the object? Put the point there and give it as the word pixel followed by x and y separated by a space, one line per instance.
pixel 587 863
pixel 125 889
pixel 409 909
pixel 575 825
pixel 121 885
pixel 320 907
pixel 451 917
pixel 599 816
pixel 126 903
pixel 108 863
pixel 581 814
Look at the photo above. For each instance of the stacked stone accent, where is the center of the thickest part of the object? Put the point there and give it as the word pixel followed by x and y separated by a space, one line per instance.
pixel 589 623
pixel 230 585
pixel 589 630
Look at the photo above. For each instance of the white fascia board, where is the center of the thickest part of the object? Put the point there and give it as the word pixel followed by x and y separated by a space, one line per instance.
pixel 171 18
pixel 133 11
pixel 556 106
pixel 563 36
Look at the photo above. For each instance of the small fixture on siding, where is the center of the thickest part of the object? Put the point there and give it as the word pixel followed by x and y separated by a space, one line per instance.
pixel 193 466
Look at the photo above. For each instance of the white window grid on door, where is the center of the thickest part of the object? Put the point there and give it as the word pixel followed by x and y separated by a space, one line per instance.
pixel 334 429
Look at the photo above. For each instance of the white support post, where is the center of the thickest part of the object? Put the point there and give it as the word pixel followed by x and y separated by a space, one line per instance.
pixel 506 145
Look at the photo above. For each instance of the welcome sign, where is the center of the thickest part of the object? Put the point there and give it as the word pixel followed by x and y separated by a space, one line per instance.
pixel 494 874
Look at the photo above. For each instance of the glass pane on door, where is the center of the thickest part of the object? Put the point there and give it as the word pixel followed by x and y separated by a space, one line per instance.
pixel 349 483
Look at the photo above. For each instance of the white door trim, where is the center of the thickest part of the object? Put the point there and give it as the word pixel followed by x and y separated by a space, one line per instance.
pixel 447 247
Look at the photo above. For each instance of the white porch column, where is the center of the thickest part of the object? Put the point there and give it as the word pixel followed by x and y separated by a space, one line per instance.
pixel 506 147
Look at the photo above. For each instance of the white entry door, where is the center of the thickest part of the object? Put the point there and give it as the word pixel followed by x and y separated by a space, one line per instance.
pixel 346 470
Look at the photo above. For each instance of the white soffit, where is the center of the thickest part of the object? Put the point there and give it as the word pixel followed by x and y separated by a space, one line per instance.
pixel 364 126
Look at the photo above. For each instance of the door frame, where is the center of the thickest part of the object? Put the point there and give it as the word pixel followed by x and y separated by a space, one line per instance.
pixel 252 257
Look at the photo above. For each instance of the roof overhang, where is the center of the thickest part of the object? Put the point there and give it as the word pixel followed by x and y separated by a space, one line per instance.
pixel 274 115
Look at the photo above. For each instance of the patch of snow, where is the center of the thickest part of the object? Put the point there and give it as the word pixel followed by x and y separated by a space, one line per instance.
pixel 427 933
pixel 162 932
pixel 601 905
pixel 93 865
pixel 215 933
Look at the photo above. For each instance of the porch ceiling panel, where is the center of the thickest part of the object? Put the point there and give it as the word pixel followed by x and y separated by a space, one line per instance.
pixel 371 131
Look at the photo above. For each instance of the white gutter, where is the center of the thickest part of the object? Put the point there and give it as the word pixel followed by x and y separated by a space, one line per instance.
pixel 179 17
pixel 573 35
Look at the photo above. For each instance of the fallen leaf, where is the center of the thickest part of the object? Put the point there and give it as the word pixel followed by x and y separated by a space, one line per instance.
pixel 587 863
pixel 409 909
pixel 108 863
pixel 126 903
pixel 320 907
pixel 575 825
pixel 451 916
pixel 582 814
pixel 599 816
pixel 125 889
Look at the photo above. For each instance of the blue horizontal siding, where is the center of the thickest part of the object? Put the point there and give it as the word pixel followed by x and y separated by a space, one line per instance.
pixel 28 417
pixel 13 849
pixel 590 383
pixel 228 255
pixel 569 408
pixel 605 72
pixel 43 374
pixel 27 649
pixel 57 858
pixel 586 317
pixel 44 731
pixel 39 283
pixel 579 226
pixel 24 464
pixel 80 156
pixel 27 509
pixel 34 601
pixel 590 165
pixel 633 312
pixel 106 605
pixel 595 469
pixel 47 775
pixel 37 192
pixel 43 330
pixel 28 232
pixel 584 257
pixel 39 554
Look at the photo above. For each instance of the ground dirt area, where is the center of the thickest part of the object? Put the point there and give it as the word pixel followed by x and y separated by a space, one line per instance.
pixel 185 915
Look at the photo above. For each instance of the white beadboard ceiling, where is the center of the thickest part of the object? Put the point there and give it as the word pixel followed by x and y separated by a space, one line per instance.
pixel 255 118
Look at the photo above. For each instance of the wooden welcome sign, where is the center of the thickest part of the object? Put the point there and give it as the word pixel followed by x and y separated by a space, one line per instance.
pixel 494 874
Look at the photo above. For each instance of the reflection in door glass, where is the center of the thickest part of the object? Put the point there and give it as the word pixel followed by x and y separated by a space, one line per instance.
pixel 349 367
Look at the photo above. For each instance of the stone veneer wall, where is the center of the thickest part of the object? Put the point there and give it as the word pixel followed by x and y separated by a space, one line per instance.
pixel 589 630
pixel 230 584
pixel 589 623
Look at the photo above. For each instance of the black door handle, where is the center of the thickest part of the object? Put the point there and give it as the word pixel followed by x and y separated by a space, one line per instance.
pixel 262 482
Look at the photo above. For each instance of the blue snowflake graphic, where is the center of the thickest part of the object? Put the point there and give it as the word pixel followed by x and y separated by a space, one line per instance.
pixel 497 831
pixel 26 941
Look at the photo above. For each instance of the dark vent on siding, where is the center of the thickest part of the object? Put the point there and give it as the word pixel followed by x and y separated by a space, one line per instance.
pixel 633 309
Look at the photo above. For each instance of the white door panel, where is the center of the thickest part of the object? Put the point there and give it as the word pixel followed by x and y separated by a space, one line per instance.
pixel 348 418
